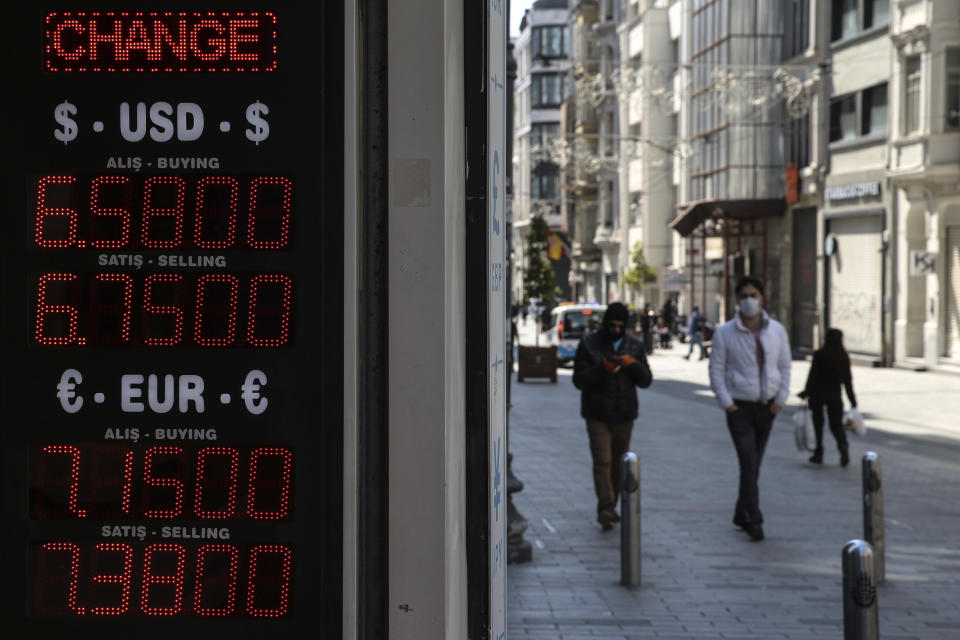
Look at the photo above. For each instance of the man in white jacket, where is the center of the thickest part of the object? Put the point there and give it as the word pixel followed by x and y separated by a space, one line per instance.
pixel 750 375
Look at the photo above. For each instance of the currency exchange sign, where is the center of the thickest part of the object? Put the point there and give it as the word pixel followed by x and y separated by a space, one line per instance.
pixel 172 242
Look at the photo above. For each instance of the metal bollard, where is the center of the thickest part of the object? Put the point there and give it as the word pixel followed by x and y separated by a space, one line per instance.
pixel 860 620
pixel 873 511
pixel 630 520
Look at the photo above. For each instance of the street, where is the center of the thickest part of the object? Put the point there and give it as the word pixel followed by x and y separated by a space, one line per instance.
pixel 702 577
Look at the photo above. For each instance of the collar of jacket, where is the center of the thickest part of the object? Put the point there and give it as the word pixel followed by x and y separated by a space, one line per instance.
pixel 740 325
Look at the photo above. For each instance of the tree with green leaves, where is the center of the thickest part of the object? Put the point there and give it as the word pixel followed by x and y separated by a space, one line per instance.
pixel 539 280
pixel 639 271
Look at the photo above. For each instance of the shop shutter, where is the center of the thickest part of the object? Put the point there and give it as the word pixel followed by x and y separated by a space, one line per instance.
pixel 953 292
pixel 856 269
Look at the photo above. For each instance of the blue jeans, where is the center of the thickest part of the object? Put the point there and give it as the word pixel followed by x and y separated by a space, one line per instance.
pixel 696 338
pixel 750 427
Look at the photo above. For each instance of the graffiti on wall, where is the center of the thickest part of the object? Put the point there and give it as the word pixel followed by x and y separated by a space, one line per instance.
pixel 857 314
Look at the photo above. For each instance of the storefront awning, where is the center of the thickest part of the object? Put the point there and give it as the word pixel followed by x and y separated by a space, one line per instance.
pixel 693 214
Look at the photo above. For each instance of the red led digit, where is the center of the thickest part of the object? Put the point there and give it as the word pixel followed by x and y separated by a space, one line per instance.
pixel 281 325
pixel 44 212
pixel 125 310
pixel 151 481
pixel 127 491
pixel 268 589
pixel 154 216
pixel 224 221
pixel 74 453
pixel 122 579
pixel 174 593
pixel 44 310
pixel 257 211
pixel 225 332
pixel 97 210
pixel 175 312
pixel 269 489
pixel 206 484
pixel 209 588
pixel 74 551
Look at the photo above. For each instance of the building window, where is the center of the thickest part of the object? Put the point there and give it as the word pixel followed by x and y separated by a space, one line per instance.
pixel 797 140
pixel 859 114
pixel 543 182
pixel 547 90
pixel 843 118
pixel 874 119
pixel 549 42
pixel 542 134
pixel 796 33
pixel 850 17
pixel 911 98
pixel 844 19
pixel 875 13
pixel 953 89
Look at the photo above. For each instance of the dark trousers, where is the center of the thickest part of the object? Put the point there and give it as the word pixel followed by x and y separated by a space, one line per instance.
pixel 750 428
pixel 835 414
pixel 608 442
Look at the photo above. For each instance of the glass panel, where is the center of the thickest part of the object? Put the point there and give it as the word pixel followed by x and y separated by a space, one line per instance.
pixel 844 19
pixel 875 110
pixel 547 90
pixel 911 121
pixel 878 12
pixel 843 119
pixel 953 100
pixel 549 42
pixel 953 89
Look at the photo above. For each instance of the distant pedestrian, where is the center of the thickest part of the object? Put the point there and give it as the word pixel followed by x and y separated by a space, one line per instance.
pixel 695 332
pixel 750 375
pixel 609 366
pixel 668 316
pixel 646 328
pixel 829 372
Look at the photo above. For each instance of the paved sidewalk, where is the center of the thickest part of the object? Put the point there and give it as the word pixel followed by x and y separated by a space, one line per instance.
pixel 702 577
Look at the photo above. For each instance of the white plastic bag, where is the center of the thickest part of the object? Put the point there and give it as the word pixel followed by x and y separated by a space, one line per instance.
pixel 803 434
pixel 853 421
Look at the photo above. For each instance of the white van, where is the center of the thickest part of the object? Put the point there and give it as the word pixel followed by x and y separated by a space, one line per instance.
pixel 570 322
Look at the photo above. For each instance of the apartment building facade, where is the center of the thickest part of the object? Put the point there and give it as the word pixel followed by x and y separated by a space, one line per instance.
pixel 924 180
pixel 650 99
pixel 732 188
pixel 542 51
pixel 812 143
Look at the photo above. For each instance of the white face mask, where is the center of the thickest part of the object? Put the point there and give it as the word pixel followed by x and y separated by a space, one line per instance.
pixel 749 307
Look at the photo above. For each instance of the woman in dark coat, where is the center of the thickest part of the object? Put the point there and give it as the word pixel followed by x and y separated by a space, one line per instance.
pixel 830 371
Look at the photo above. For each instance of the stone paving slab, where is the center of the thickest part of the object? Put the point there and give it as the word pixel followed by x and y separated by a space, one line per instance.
pixel 703 578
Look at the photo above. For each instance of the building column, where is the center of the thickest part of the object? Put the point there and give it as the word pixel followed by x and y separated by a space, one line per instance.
pixel 911 290
pixel 931 328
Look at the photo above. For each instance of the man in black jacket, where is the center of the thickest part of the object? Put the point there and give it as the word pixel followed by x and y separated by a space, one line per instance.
pixel 610 364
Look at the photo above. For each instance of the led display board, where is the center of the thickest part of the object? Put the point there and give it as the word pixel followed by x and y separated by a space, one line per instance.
pixel 172 287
